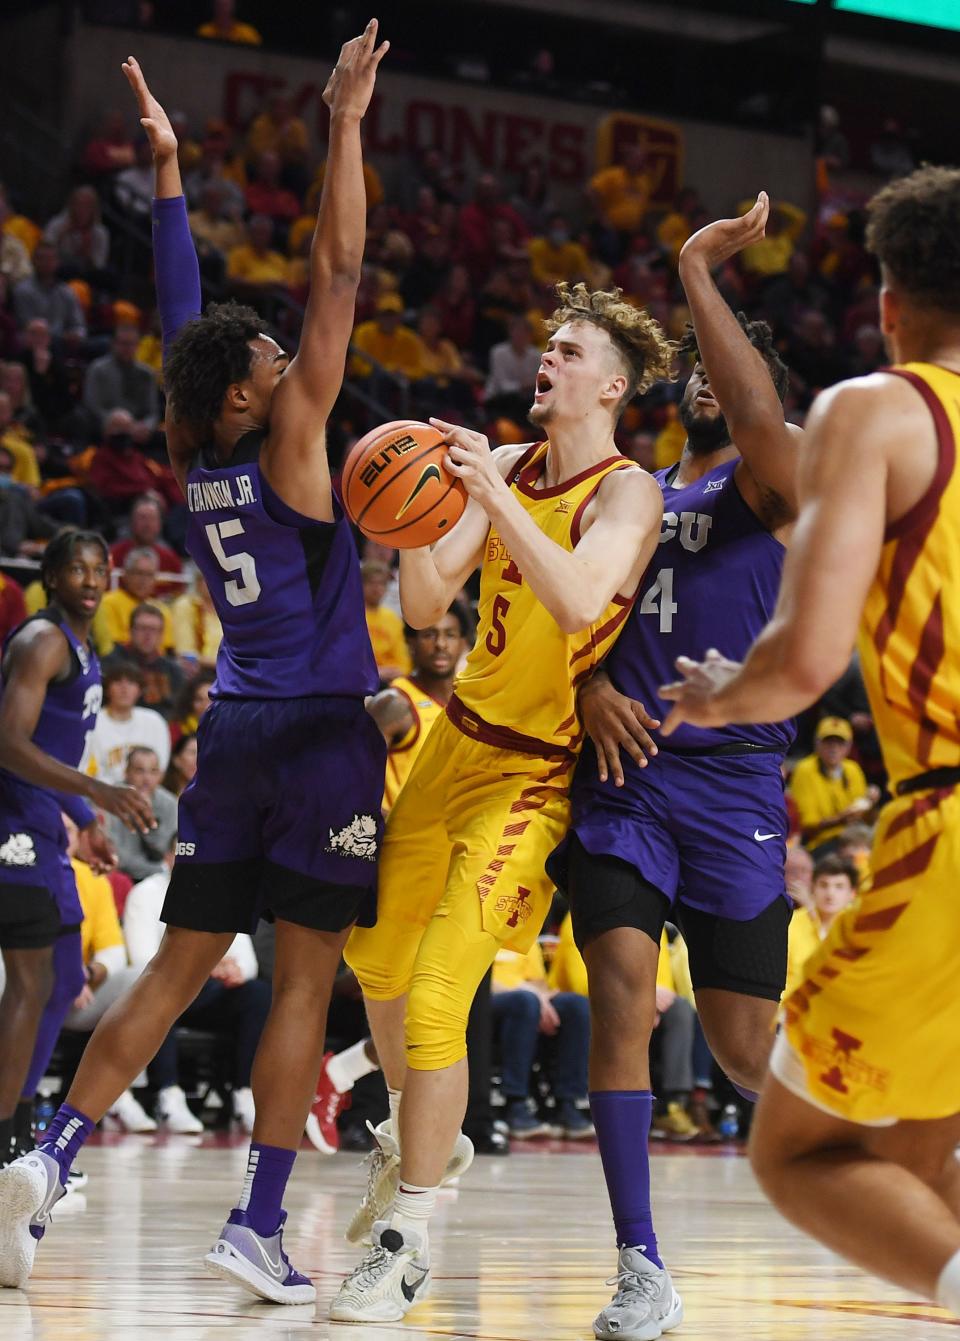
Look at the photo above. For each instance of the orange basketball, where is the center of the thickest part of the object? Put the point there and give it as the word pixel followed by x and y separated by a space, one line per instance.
pixel 396 487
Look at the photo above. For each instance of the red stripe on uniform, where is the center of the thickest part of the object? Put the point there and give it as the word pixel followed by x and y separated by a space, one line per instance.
pixel 882 920
pixel 919 807
pixel 913 864
pixel 602 632
pixel 515 830
pixel 925 664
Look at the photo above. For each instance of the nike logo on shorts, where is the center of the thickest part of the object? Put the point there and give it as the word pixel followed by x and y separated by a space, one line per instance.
pixel 763 837
pixel 410 1288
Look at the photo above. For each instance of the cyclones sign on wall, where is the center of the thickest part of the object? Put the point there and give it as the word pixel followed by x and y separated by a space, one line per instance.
pixel 475 126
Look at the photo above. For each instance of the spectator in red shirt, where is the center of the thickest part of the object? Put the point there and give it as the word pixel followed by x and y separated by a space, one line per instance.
pixel 476 240
pixel 266 196
pixel 118 471
pixel 13 610
pixel 146 529
pixel 112 148
pixel 456 307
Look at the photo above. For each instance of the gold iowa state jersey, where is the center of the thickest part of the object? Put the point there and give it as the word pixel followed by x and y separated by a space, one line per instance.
pixel 910 630
pixel 518 689
pixel 400 756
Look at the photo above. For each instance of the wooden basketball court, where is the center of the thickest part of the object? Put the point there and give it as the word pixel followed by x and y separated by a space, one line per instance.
pixel 520 1253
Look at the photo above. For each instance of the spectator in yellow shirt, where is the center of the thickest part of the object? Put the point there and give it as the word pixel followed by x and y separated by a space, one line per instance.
pixel 771 255
pixel 555 256
pixel 18 225
pixel 138 585
pixel 622 192
pixel 829 788
pixel 224 26
pixel 390 650
pixel 277 130
pixel 395 347
pixel 255 263
pixel 197 632
pixel 526 1008
pixel 834 888
pixel 15 440
pixel 680 224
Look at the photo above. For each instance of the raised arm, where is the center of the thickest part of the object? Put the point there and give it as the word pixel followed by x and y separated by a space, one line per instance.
pixel 621 528
pixel 176 269
pixel 738 374
pixel 856 435
pixel 312 382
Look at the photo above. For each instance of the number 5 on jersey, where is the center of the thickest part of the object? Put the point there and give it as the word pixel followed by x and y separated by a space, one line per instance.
pixel 658 600
pixel 237 593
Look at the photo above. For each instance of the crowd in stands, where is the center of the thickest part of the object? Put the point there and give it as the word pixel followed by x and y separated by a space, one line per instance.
pixel 457 282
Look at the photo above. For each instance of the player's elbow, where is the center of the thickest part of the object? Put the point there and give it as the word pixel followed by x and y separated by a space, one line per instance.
pixel 420 614
pixel 575 614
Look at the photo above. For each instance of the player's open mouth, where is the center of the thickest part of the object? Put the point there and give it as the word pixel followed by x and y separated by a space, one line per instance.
pixel 88 602
pixel 543 386
pixel 706 398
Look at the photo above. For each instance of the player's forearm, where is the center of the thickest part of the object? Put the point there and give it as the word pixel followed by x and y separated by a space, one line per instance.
pixel 738 375
pixel 561 582
pixel 175 267
pixel 425 596
pixel 337 252
pixel 22 758
pixel 776 681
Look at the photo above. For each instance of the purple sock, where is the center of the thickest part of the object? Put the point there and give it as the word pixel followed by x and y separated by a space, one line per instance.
pixel 64 1137
pixel 622 1119
pixel 750 1095
pixel 268 1168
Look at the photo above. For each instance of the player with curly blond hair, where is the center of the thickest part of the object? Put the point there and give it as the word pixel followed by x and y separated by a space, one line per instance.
pixel 561 529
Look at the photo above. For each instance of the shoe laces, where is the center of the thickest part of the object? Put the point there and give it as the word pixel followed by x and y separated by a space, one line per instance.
pixel 372 1269
pixel 633 1282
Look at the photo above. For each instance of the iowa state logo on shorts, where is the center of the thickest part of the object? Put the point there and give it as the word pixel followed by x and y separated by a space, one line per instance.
pixel 18 850
pixel 356 839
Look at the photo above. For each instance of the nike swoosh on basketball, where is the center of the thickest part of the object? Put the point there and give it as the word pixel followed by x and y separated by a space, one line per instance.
pixel 430 472
pixel 763 837
pixel 410 1291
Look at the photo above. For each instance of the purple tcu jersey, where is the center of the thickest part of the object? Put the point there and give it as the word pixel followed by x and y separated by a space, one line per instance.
pixel 287 588
pixel 68 714
pixel 713 582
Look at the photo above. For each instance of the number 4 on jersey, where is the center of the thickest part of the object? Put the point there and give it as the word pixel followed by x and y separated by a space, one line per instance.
pixel 243 564
pixel 658 600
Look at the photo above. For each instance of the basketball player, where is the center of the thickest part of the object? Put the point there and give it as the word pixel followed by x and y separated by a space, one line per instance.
pixel 49 699
pixel 855 1132
pixel 262 830
pixel 562 530
pixel 700 827
pixel 407 711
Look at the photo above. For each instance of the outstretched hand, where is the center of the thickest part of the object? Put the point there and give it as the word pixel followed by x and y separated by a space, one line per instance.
pixel 153 118
pixel 350 86
pixel 695 697
pixel 723 238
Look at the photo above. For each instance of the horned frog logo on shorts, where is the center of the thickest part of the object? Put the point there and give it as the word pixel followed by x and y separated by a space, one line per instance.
pixel 356 839
pixel 18 850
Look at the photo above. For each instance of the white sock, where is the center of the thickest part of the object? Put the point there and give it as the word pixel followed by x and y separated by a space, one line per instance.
pixel 412 1209
pixel 948 1286
pixel 395 1096
pixel 347 1067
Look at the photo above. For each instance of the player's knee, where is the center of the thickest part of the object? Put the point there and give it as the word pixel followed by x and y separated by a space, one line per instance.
pixel 382 968
pixel 436 1027
pixel 621 1011
pixel 743 1059
pixel 28 978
